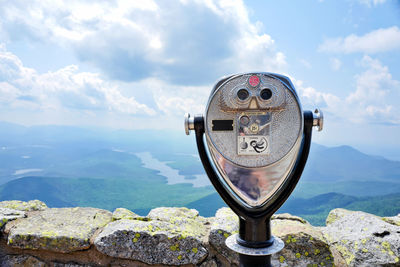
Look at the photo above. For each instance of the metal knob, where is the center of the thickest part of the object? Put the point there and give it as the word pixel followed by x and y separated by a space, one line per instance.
pixel 189 123
pixel 318 119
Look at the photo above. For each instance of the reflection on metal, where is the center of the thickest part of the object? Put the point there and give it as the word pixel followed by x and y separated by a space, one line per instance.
pixel 254 186
pixel 277 245
pixel 254 158
pixel 318 119
pixel 189 123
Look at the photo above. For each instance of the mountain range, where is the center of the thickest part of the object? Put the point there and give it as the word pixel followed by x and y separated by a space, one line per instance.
pixel 105 168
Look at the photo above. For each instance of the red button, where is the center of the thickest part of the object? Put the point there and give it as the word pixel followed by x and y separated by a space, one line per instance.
pixel 254 80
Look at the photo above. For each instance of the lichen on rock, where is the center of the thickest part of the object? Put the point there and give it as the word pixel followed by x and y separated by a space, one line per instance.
pixel 7 215
pixel 173 214
pixel 173 236
pixel 360 239
pixel 287 216
pixel 304 244
pixel 122 213
pixel 225 223
pixel 57 229
pixel 395 220
pixel 179 236
pixel 31 205
pixel 336 214
pixel 188 221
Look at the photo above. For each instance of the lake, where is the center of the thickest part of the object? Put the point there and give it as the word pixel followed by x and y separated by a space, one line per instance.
pixel 172 175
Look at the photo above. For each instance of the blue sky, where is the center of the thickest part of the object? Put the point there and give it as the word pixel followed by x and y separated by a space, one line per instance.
pixel 143 64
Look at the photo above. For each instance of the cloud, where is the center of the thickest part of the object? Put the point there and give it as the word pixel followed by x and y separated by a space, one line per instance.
pixel 380 40
pixel 180 99
pixel 371 3
pixel 374 100
pixel 311 97
pixel 335 64
pixel 69 92
pixel 67 88
pixel 182 42
pixel 377 94
pixel 305 63
pixel 171 50
pixel 174 100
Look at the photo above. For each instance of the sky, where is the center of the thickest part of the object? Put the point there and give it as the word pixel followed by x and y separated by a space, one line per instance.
pixel 143 64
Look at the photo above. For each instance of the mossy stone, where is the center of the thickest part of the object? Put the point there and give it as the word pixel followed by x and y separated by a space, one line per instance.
pixel 174 236
pixel 31 205
pixel 122 213
pixel 58 229
pixel 360 239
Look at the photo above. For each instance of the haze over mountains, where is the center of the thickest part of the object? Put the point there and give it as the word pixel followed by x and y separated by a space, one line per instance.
pixel 140 170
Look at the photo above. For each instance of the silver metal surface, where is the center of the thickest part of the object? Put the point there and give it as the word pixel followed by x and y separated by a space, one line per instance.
pixel 275 125
pixel 318 119
pixel 254 186
pixel 285 125
pixel 189 123
pixel 231 242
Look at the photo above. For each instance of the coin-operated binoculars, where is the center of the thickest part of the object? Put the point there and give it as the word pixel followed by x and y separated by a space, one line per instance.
pixel 258 139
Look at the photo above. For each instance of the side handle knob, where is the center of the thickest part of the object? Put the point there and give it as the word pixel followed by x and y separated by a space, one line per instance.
pixel 318 119
pixel 189 123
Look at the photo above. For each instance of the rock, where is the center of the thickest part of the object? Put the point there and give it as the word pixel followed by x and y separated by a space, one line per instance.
pixel 179 236
pixel 122 213
pixel 70 264
pixel 60 230
pixel 31 205
pixel 7 215
pixel 173 214
pixel 304 244
pixel 395 220
pixel 165 239
pixel 226 223
pixel 287 216
pixel 360 239
pixel 20 261
pixel 335 215
pixel 187 220
pixel 209 263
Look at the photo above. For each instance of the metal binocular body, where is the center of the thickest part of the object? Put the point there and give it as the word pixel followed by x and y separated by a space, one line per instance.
pixel 257 139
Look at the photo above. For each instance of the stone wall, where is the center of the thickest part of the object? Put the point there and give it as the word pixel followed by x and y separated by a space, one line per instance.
pixel 34 235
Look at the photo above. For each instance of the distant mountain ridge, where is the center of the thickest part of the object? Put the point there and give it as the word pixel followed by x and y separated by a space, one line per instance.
pixel 344 163
pixel 110 194
pixel 140 194
pixel 99 168
pixel 325 164
pixel 315 209
pixel 39 147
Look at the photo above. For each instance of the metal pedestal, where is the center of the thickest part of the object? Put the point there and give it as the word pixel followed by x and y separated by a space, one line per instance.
pixel 254 256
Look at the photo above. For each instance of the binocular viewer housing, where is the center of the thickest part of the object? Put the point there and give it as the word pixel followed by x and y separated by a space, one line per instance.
pixel 253 142
pixel 253 127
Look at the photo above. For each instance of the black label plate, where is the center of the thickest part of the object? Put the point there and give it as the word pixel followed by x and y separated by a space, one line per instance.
pixel 222 125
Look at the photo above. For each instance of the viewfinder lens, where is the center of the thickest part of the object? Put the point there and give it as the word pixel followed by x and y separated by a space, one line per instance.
pixel 266 94
pixel 243 94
